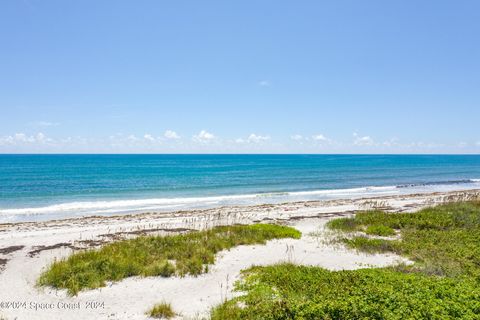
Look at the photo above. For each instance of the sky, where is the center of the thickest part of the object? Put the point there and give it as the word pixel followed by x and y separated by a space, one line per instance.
pixel 250 76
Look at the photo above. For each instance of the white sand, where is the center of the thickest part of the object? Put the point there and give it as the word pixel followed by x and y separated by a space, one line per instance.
pixel 192 297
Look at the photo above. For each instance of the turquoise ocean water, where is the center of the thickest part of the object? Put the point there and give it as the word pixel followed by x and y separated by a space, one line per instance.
pixel 40 187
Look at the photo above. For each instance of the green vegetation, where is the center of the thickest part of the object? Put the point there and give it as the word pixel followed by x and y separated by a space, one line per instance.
pixel 288 291
pixel 444 282
pixel 444 240
pixel 162 310
pixel 380 230
pixel 370 245
pixel 165 256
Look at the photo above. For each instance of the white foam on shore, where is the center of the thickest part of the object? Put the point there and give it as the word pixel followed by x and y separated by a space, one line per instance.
pixel 165 203
pixel 88 208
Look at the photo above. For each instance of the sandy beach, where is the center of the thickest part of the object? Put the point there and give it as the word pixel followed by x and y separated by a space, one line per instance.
pixel 28 248
pixel 239 160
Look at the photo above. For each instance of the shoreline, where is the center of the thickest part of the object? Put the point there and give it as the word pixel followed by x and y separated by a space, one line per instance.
pixel 133 206
pixel 26 248
pixel 392 203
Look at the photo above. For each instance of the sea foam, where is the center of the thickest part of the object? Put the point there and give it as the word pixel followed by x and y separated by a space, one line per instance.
pixel 102 207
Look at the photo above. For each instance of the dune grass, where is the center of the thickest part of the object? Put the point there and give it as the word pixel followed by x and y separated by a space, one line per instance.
pixel 164 256
pixel 162 310
pixel 288 291
pixel 380 230
pixel 444 282
pixel 443 240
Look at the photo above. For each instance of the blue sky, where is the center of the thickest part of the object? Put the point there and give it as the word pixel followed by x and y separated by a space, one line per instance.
pixel 240 76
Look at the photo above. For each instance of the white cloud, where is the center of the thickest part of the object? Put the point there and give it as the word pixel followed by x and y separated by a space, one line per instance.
pixel 149 137
pixel 362 141
pixel 40 137
pixel 206 141
pixel 23 139
pixel 203 136
pixel 257 138
pixel 296 137
pixel 169 134
pixel 319 137
pixel 132 138
pixel 253 138
pixel 391 143
pixel 264 83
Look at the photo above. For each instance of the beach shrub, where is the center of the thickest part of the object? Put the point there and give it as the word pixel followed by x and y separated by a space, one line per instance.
pixel 443 283
pixel 162 310
pixel 165 256
pixel 344 224
pixel 443 240
pixel 370 245
pixel 288 291
pixel 380 230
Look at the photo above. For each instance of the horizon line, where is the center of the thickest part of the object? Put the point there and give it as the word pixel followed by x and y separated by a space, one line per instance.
pixel 219 153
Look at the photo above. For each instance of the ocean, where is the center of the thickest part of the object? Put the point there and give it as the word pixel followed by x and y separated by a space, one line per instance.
pixel 42 187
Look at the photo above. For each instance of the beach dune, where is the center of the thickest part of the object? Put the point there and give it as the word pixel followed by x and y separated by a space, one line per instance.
pixel 28 248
